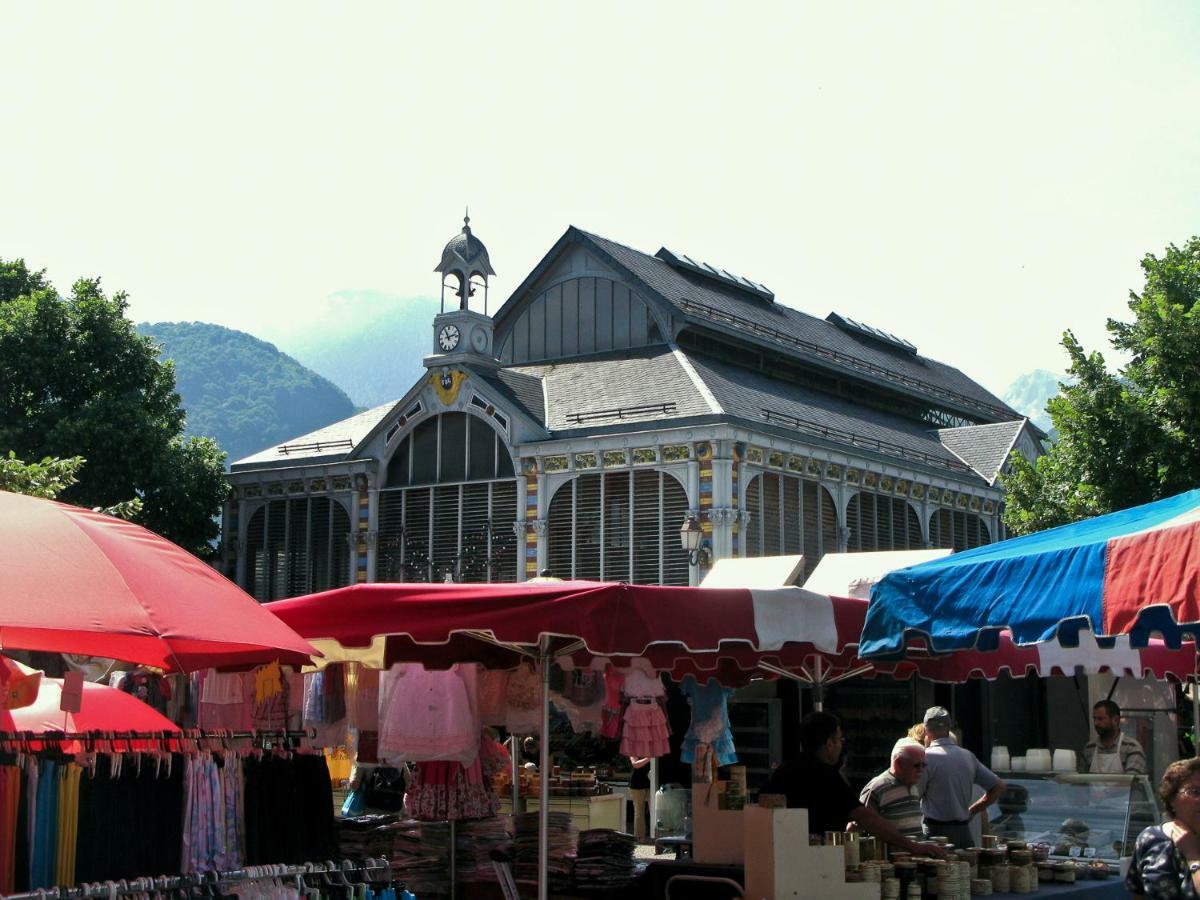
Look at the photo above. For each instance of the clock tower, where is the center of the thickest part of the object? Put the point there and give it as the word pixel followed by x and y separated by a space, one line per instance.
pixel 463 335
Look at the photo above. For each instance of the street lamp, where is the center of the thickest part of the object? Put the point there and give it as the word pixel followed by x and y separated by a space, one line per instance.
pixel 691 539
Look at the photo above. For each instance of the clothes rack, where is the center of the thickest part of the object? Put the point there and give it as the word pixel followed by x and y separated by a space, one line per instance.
pixel 176 740
pixel 168 883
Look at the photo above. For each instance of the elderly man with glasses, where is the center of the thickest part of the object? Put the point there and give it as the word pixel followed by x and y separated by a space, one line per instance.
pixel 896 793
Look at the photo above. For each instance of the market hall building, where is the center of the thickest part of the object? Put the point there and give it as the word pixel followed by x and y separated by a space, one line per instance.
pixel 612 397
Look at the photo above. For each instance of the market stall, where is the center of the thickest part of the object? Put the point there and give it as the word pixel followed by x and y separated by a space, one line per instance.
pixel 571 626
pixel 77 581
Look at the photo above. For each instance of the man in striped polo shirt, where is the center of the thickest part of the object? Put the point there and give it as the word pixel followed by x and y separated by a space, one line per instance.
pixel 895 794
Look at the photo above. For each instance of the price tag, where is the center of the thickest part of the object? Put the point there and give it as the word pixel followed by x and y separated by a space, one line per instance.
pixel 1089 852
pixel 1076 852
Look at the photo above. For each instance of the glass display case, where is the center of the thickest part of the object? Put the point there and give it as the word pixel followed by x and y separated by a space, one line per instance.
pixel 1076 816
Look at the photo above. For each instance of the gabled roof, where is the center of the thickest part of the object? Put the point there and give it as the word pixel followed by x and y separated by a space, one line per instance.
pixel 714 306
pixel 329 444
pixel 984 448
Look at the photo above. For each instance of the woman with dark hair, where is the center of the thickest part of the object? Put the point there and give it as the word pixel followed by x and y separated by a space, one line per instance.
pixel 1166 859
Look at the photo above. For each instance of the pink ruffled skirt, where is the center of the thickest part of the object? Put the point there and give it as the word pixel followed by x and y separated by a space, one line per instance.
pixel 645 731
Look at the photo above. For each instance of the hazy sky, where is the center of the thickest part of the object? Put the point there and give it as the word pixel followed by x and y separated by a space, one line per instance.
pixel 975 179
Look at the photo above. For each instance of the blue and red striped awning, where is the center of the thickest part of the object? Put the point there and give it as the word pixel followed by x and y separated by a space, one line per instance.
pixel 1134 572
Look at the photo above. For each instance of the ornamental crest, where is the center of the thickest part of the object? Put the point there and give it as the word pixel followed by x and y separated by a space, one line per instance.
pixel 447 383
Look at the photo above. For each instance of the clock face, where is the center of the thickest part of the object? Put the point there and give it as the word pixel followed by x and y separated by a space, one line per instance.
pixel 479 340
pixel 448 337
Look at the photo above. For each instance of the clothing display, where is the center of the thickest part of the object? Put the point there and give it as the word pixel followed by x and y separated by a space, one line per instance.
pixel 429 714
pixel 149 687
pixel 213 813
pixel 288 807
pixel 614 684
pixel 580 695
pixel 645 731
pixel 107 815
pixel 450 791
pixel 524 700
pixel 493 697
pixel 710 720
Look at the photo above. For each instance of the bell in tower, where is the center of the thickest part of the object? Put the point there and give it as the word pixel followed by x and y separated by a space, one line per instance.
pixel 463 335
pixel 465 259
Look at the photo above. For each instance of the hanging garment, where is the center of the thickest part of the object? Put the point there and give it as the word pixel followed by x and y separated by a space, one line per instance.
pixel 149 687
pixel 268 694
pixel 710 721
pixel 289 808
pixel 645 731
pixel 581 697
pixel 10 795
pixel 363 700
pixel 493 697
pixel 222 701
pixel 450 791
pixel 430 715
pixel 524 699
pixel 642 684
pixel 614 683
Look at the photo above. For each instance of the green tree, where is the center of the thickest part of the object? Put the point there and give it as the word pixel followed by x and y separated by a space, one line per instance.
pixel 77 380
pixel 46 479
pixel 1127 437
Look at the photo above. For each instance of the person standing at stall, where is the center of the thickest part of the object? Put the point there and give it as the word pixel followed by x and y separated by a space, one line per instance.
pixel 639 792
pixel 1114 753
pixel 951 773
pixel 896 794
pixel 814 781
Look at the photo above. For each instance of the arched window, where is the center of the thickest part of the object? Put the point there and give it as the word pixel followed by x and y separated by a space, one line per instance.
pixel 789 515
pixel 297 546
pixel 958 530
pixel 619 526
pixel 449 505
pixel 882 522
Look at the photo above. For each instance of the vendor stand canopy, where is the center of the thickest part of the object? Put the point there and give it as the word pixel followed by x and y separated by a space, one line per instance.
pixel 1134 572
pixel 77 581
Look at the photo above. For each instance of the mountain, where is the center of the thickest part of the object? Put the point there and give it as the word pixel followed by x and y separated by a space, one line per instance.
pixel 243 391
pixel 368 342
pixel 1029 393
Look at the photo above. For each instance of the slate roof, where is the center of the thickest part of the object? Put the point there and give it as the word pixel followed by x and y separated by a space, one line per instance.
pixel 523 391
pixel 328 444
pixel 984 448
pixel 763 401
pixel 619 387
pixel 709 303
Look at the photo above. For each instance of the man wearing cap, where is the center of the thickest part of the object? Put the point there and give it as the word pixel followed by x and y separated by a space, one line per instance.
pixel 895 794
pixel 814 781
pixel 951 772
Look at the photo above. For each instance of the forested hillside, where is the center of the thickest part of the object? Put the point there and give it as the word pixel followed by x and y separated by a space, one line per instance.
pixel 243 391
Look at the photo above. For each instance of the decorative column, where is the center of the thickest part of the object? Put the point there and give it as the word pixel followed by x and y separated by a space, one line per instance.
pixel 362 528
pixel 704 460
pixel 723 513
pixel 529 472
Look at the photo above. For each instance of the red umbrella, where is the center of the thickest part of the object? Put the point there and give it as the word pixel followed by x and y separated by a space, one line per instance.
pixel 76 581
pixel 103 709
pixel 442 624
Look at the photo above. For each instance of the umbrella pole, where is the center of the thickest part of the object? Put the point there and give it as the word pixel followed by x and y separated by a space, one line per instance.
pixel 819 687
pixel 544 774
